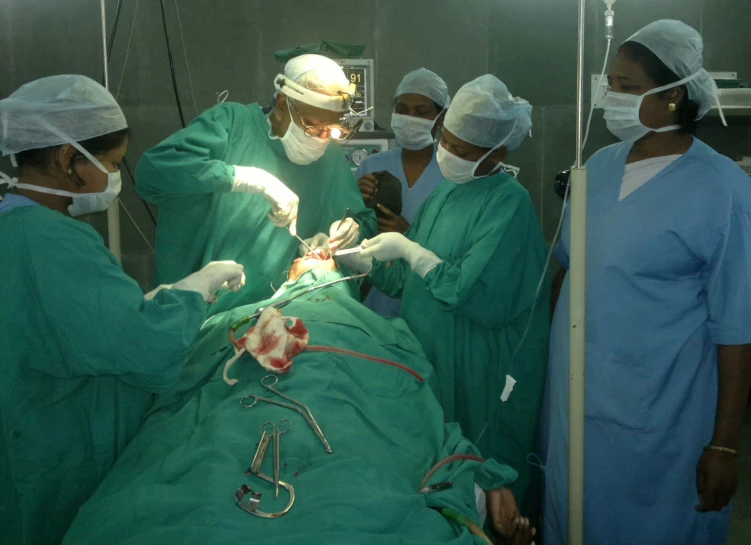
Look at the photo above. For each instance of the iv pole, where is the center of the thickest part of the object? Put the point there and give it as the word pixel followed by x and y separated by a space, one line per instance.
pixel 577 312
pixel 113 212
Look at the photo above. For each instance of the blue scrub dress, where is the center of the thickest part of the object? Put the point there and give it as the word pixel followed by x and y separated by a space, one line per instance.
pixel 668 279
pixel 412 199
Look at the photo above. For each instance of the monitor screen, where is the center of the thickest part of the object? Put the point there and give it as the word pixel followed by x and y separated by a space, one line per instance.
pixel 359 76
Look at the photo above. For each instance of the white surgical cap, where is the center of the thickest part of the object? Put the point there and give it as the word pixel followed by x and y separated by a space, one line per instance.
pixel 485 114
pixel 76 107
pixel 426 83
pixel 680 48
pixel 316 72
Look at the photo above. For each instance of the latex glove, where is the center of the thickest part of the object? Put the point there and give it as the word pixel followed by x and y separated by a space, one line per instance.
pixel 283 201
pixel 717 477
pixel 355 262
pixel 213 277
pixel 392 246
pixel 343 235
pixel 505 520
pixel 321 240
pixel 149 296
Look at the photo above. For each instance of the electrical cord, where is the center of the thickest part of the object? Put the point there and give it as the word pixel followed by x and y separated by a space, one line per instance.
pixel 172 65
pixel 114 29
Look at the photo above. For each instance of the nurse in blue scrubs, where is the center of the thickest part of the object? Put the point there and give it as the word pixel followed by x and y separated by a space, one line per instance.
pixel 422 98
pixel 668 313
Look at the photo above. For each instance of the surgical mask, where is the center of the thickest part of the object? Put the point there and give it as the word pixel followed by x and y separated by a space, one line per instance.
pixel 83 203
pixel 413 133
pixel 461 171
pixel 300 148
pixel 622 113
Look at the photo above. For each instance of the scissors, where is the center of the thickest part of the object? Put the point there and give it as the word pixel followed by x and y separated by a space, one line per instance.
pixel 268 382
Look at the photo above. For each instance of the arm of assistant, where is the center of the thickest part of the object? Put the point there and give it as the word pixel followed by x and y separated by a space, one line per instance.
pixel 496 279
pixel 728 293
pixel 734 368
pixel 100 319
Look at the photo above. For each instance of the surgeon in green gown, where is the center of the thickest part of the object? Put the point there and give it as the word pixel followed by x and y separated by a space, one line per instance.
pixel 82 350
pixel 468 272
pixel 217 180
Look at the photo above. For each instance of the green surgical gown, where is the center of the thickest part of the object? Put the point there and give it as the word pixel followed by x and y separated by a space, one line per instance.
pixel 82 354
pixel 190 175
pixel 470 313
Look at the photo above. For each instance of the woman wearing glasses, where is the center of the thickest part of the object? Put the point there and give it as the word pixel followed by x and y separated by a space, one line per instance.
pixel 217 180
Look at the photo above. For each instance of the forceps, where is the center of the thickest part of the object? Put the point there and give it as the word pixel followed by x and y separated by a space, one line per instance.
pixel 277 434
pixel 269 382
pixel 301 240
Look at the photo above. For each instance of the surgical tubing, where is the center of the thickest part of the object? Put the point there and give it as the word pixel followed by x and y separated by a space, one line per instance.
pixel 460 519
pixel 365 357
pixel 448 460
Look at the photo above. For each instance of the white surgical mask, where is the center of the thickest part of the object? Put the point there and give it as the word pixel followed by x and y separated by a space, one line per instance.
pixel 461 171
pixel 83 203
pixel 413 133
pixel 300 148
pixel 622 112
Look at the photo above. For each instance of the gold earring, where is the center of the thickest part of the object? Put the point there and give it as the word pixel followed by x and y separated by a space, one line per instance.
pixel 69 172
pixel 672 106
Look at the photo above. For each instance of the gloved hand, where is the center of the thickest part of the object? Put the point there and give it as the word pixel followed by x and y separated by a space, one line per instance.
pixel 343 235
pixel 283 200
pixel 149 296
pixel 321 240
pixel 391 246
pixel 355 262
pixel 213 277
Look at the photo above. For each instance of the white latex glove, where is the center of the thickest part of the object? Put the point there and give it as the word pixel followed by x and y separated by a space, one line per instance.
pixel 392 246
pixel 355 262
pixel 343 235
pixel 283 201
pixel 149 296
pixel 321 240
pixel 213 277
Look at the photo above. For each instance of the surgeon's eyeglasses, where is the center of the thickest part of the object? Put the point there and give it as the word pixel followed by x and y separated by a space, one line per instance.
pixel 341 131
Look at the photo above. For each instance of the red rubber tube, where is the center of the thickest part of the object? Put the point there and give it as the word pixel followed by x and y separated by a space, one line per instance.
pixel 448 460
pixel 365 357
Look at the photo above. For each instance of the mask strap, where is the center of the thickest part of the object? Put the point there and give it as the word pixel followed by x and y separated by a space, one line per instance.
pixel 500 165
pixel 673 85
pixel 7 180
pixel 76 145
pixel 716 93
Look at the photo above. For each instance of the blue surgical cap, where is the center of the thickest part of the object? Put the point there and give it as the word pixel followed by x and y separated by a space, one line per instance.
pixel 485 114
pixel 426 83
pixel 57 110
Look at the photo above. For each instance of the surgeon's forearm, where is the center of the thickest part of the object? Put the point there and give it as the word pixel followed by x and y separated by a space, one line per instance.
pixel 734 385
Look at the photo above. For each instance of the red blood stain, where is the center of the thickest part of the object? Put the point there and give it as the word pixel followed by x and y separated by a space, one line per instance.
pixel 298 329
pixel 267 344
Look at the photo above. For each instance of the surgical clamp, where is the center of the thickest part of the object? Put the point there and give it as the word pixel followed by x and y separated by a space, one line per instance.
pixel 297 406
pixel 255 469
